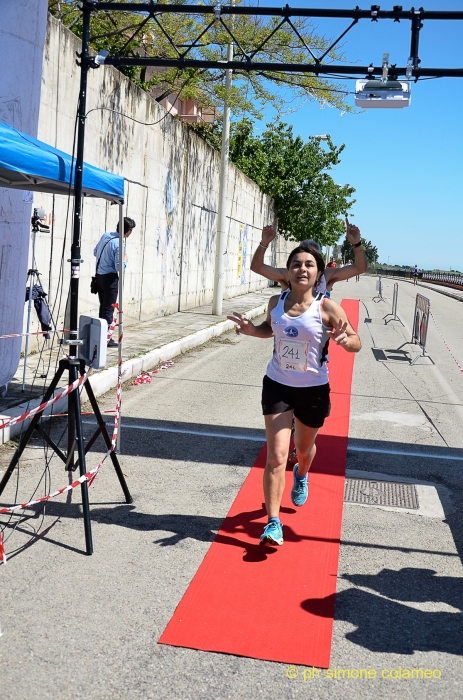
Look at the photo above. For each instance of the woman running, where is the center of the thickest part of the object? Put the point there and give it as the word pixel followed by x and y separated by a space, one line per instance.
pixel 296 383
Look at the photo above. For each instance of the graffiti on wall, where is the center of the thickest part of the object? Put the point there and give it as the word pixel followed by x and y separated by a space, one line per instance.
pixel 242 253
pixel 164 245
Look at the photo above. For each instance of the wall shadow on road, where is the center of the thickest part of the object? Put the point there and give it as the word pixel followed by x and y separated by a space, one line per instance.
pixel 171 447
pixel 186 447
pixel 385 625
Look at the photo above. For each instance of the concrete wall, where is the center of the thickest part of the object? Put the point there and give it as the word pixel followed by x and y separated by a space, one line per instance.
pixel 22 35
pixel 171 192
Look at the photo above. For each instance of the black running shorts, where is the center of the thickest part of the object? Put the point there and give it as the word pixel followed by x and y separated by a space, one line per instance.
pixel 311 404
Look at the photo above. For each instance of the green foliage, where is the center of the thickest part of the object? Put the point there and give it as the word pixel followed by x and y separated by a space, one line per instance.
pixel 294 172
pixel 371 251
pixel 135 34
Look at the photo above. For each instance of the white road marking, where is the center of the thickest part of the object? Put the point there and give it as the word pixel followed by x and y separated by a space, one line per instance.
pixel 427 455
pixel 203 433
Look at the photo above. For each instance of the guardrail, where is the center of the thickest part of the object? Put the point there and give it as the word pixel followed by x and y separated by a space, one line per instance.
pixel 407 274
pixel 446 279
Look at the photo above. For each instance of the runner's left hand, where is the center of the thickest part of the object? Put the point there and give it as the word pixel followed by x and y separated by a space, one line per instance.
pixel 339 334
pixel 352 232
pixel 242 324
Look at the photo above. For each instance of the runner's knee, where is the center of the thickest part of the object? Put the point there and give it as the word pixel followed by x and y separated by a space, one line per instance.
pixel 276 460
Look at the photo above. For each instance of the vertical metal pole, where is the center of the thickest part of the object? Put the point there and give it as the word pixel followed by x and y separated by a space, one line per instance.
pixel 415 40
pixel 75 421
pixel 120 327
pixel 30 277
pixel 222 234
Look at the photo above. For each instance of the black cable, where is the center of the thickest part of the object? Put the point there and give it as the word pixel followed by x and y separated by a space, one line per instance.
pixel 46 472
pixel 114 111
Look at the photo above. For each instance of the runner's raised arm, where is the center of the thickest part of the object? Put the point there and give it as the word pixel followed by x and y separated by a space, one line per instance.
pixel 275 274
pixel 336 274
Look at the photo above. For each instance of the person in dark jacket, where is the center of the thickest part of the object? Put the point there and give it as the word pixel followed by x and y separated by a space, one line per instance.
pixel 107 270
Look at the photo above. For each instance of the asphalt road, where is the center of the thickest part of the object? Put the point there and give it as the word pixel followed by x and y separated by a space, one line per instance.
pixel 87 627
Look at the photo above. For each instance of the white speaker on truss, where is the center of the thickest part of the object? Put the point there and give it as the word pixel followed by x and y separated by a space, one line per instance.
pixel 389 94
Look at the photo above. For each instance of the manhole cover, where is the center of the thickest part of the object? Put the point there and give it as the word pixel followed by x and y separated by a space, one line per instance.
pixel 381 493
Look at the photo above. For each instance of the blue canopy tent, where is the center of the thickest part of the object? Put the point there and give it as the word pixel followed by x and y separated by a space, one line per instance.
pixel 29 164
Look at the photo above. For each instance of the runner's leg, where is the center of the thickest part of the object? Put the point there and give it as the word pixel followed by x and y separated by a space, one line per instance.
pixel 304 440
pixel 278 433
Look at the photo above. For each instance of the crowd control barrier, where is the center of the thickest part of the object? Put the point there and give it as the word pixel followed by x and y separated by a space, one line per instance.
pixel 379 289
pixel 393 313
pixel 420 326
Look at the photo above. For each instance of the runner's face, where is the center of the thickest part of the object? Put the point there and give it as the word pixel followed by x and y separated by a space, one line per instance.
pixel 303 270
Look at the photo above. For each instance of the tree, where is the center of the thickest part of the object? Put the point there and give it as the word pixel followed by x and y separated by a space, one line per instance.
pixel 371 251
pixel 131 34
pixel 294 172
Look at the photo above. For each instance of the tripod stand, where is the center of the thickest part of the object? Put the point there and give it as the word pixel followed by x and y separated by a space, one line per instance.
pixel 74 437
pixel 72 364
pixel 33 275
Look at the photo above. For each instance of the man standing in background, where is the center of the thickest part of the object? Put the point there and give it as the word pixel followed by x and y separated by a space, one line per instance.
pixel 107 270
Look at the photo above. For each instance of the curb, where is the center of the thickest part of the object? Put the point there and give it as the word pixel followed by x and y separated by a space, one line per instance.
pixel 107 378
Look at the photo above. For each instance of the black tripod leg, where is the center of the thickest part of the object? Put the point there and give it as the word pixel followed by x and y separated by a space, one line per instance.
pixel 107 439
pixel 51 442
pixel 27 435
pixel 81 452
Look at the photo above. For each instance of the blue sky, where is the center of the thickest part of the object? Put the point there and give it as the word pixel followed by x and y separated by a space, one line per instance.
pixel 406 164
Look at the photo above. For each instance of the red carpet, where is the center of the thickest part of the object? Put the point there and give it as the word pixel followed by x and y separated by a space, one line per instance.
pixel 276 603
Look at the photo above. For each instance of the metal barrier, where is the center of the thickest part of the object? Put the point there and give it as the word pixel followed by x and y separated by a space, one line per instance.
pixel 420 326
pixel 379 289
pixel 394 306
pixel 391 272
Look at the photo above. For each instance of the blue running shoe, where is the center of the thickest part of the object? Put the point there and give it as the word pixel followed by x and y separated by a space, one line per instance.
pixel 273 534
pixel 300 490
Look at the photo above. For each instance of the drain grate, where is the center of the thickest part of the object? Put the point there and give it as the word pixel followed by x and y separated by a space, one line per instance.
pixel 381 493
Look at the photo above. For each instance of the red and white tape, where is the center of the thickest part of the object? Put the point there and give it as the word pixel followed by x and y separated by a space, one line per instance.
pixel 2 550
pixel 88 476
pixel 23 335
pixel 38 409
pixel 68 390
pixel 445 343
pixel 145 378
pixel 113 324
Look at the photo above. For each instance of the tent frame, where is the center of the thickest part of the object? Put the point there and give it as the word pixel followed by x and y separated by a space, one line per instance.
pixel 73 364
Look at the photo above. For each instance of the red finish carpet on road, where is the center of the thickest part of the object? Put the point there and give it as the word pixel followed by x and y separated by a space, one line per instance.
pixel 276 603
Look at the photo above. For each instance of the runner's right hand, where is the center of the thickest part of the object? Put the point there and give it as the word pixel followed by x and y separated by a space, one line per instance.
pixel 269 233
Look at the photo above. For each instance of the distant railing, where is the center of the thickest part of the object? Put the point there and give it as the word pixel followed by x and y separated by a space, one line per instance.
pixel 407 274
pixel 447 279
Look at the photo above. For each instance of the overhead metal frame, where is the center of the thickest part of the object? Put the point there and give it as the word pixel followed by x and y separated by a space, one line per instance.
pixel 243 60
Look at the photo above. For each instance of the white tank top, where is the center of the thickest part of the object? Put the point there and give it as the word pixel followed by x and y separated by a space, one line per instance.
pixel 300 346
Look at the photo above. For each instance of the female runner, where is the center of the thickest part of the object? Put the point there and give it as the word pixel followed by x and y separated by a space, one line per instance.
pixel 296 383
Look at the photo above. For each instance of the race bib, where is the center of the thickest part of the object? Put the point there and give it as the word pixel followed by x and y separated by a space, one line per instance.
pixel 293 355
